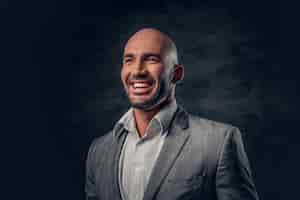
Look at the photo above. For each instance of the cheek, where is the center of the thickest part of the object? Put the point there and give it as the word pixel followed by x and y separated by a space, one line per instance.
pixel 157 72
pixel 124 74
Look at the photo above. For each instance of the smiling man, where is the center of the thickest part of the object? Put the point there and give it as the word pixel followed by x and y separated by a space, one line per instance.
pixel 157 150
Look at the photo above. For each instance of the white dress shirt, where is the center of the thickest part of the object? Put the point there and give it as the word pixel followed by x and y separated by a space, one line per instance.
pixel 139 154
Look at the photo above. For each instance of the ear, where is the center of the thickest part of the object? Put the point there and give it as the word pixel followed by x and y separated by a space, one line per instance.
pixel 178 74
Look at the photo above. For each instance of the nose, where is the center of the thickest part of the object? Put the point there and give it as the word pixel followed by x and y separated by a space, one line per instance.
pixel 140 67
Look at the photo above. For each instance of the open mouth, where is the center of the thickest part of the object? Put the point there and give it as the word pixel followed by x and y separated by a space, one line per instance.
pixel 140 87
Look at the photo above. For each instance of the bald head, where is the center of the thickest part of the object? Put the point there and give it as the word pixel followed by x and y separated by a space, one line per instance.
pixel 153 39
pixel 150 69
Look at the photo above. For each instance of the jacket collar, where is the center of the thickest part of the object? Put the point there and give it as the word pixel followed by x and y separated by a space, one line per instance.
pixel 180 118
pixel 171 149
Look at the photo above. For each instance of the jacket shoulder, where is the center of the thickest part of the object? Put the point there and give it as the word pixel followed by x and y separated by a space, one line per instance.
pixel 208 136
pixel 97 150
pixel 101 141
pixel 209 128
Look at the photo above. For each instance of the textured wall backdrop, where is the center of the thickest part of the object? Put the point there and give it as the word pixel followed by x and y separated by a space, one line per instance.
pixel 230 61
pixel 70 51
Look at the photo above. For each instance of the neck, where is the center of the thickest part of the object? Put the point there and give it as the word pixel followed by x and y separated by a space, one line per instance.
pixel 143 117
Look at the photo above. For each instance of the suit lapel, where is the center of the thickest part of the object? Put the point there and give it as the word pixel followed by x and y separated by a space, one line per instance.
pixel 119 141
pixel 174 142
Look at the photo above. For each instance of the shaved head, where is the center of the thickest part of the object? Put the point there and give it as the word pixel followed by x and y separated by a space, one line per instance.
pixel 146 36
pixel 150 69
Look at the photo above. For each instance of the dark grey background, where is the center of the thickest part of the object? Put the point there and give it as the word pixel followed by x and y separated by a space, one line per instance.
pixel 65 90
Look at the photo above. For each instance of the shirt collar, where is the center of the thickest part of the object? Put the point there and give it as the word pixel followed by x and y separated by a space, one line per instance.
pixel 163 117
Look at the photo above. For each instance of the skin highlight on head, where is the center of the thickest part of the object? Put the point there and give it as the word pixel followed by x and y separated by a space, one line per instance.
pixel 149 73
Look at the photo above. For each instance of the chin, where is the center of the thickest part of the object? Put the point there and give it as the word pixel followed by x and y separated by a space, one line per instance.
pixel 149 104
pixel 140 100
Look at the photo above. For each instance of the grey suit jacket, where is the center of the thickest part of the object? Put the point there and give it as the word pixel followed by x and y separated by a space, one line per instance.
pixel 200 159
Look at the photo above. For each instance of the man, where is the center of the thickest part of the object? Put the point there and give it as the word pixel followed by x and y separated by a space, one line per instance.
pixel 157 150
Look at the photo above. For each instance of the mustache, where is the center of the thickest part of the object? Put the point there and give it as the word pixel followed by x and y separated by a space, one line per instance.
pixel 140 77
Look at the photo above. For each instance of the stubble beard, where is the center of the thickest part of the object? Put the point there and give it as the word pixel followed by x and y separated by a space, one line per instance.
pixel 163 93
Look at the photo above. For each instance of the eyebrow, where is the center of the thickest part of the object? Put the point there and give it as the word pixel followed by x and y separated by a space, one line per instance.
pixel 146 55
pixel 128 55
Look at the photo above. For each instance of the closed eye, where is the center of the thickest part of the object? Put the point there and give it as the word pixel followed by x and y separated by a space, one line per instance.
pixel 127 60
pixel 152 59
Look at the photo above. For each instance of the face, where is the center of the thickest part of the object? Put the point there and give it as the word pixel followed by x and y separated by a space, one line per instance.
pixel 147 71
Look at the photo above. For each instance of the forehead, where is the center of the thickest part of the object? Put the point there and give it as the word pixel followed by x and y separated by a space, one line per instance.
pixel 145 43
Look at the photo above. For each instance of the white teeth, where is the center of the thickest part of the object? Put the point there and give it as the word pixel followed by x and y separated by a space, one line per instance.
pixel 140 85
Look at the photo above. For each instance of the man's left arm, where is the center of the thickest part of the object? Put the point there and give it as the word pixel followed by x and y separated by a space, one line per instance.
pixel 90 186
pixel 233 178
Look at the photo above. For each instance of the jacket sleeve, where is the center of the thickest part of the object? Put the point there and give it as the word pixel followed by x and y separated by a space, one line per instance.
pixel 233 177
pixel 90 187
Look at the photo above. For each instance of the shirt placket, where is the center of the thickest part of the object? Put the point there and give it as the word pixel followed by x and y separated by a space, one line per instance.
pixel 138 171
